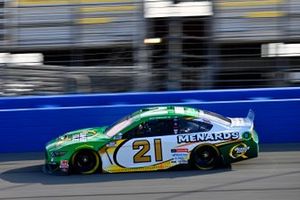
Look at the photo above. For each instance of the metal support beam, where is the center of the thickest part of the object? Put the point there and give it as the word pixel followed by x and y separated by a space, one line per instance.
pixel 141 53
pixel 175 53
pixel 212 53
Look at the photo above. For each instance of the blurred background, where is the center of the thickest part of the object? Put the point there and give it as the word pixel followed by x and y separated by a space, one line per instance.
pixel 88 46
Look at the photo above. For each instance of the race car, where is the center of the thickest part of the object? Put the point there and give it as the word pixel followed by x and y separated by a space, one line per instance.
pixel 155 138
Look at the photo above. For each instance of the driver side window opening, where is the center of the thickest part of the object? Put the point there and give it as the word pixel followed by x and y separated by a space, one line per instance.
pixel 154 127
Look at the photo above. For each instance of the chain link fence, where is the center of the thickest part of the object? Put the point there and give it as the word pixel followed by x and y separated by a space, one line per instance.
pixel 88 46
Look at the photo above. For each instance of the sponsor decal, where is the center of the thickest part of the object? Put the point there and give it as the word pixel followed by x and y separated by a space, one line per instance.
pixel 79 137
pixel 202 137
pixel 180 155
pixel 64 164
pixel 238 121
pixel 84 135
pixel 180 150
pixel 239 150
pixel 180 158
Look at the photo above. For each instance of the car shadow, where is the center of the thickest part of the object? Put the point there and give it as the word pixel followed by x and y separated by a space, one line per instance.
pixel 34 174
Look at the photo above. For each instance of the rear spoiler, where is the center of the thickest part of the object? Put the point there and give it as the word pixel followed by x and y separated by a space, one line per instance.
pixel 251 115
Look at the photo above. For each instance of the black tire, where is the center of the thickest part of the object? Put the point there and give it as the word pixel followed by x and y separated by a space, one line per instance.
pixel 85 162
pixel 205 157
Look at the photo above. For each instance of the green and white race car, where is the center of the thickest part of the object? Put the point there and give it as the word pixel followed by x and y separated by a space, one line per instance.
pixel 155 138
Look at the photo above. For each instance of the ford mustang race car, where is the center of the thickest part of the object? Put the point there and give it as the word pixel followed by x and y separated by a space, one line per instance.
pixel 155 138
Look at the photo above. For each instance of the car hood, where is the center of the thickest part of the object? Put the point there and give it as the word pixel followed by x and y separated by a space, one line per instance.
pixel 78 136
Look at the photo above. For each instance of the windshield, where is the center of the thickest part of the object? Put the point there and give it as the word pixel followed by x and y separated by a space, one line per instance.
pixel 118 126
pixel 218 116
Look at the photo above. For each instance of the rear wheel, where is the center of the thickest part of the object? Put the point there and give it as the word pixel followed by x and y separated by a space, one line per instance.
pixel 205 157
pixel 85 162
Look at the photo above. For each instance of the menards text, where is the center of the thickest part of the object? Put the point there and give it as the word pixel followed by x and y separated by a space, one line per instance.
pixel 201 137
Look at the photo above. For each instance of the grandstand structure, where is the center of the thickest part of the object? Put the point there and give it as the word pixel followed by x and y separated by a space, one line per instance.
pixel 86 46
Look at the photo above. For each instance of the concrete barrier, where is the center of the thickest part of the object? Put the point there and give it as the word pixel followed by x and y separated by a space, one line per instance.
pixel 27 123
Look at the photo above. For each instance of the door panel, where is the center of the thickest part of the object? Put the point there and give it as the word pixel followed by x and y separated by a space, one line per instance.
pixel 145 152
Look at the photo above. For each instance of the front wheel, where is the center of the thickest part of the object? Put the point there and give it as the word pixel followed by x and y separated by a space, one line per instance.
pixel 205 157
pixel 85 162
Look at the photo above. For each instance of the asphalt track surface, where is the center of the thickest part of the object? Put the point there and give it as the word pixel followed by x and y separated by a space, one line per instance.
pixel 275 174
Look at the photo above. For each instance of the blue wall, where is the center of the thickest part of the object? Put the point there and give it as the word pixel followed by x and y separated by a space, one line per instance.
pixel 27 123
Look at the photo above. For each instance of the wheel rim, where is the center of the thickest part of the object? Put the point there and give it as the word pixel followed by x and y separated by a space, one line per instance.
pixel 86 162
pixel 205 158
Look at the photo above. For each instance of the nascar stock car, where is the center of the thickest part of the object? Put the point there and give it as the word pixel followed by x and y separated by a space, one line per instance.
pixel 155 138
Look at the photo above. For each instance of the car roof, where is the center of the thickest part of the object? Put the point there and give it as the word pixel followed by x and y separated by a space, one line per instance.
pixel 169 111
pixel 160 111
